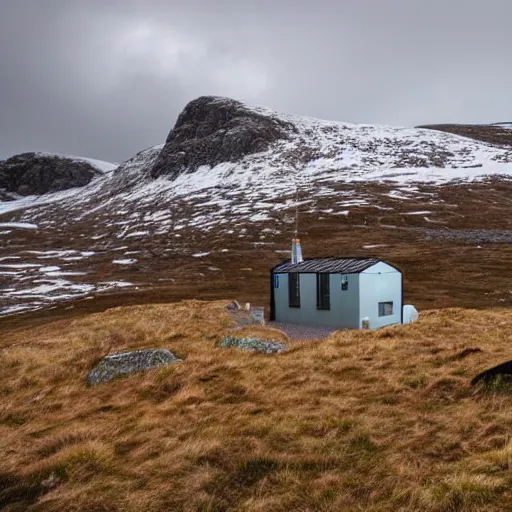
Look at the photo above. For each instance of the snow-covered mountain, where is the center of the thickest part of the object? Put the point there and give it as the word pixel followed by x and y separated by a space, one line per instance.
pixel 41 173
pixel 225 184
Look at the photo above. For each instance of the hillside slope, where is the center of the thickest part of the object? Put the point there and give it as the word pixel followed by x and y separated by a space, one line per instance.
pixel 364 420
pixel 167 225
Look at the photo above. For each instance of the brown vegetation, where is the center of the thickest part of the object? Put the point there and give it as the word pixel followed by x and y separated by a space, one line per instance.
pixel 494 134
pixel 372 421
pixel 440 269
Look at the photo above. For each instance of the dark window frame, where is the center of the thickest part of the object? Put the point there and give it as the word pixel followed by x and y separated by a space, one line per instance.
pixel 294 290
pixel 323 291
pixel 383 311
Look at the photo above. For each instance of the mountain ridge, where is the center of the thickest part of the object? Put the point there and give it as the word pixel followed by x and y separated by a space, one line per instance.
pixel 159 227
pixel 211 130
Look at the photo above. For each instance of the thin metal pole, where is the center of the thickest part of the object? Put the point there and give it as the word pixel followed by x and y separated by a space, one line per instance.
pixel 296 210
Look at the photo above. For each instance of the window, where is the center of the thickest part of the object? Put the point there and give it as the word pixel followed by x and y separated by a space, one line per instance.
pixel 344 283
pixel 294 290
pixel 323 299
pixel 385 308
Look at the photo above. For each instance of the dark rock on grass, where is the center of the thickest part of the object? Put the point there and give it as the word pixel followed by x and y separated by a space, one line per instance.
pixel 504 369
pixel 211 130
pixel 37 174
pixel 126 363
pixel 254 344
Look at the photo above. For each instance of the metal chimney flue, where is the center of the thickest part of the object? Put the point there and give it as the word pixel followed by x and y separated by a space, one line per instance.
pixel 296 251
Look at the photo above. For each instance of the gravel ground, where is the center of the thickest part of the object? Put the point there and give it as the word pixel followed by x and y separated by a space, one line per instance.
pixel 303 332
pixel 294 331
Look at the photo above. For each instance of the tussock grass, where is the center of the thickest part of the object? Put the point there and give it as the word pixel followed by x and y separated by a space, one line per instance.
pixel 364 420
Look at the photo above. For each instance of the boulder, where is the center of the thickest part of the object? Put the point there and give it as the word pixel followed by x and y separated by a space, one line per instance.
pixel 211 130
pixel 253 344
pixel 126 363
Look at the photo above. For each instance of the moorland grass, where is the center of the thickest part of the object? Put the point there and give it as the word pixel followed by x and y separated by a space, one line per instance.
pixel 364 420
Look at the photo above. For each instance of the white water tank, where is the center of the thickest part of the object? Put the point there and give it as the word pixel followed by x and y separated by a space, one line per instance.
pixel 410 314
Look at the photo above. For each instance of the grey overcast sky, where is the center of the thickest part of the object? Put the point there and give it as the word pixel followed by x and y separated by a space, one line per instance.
pixel 107 78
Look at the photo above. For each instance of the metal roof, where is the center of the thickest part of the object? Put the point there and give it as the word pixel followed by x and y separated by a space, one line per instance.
pixel 328 265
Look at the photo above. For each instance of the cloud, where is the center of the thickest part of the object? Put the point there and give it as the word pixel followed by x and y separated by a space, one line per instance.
pixel 106 79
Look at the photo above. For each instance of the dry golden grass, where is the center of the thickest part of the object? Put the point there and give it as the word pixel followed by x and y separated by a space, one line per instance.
pixel 375 421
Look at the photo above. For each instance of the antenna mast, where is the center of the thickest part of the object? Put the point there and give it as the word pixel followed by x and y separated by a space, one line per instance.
pixel 296 209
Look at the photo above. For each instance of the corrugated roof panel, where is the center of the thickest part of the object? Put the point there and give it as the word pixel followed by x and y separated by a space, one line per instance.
pixel 329 265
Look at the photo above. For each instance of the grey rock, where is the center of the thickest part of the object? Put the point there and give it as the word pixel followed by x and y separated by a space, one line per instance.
pixel 234 306
pixel 211 130
pixel 37 174
pixel 127 363
pixel 253 344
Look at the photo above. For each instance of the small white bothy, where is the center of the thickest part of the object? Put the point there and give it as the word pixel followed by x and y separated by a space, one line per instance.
pixel 350 293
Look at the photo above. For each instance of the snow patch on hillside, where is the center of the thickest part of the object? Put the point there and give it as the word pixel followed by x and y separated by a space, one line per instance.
pixel 17 225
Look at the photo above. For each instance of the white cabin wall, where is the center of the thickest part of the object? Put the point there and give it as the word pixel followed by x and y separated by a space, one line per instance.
pixel 344 311
pixel 380 283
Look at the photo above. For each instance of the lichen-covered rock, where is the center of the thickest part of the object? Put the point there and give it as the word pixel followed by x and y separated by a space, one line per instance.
pixel 126 363
pixel 211 130
pixel 253 344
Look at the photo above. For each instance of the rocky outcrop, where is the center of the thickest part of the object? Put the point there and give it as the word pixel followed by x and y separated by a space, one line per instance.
pixel 211 130
pixel 36 174
pixel 126 363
